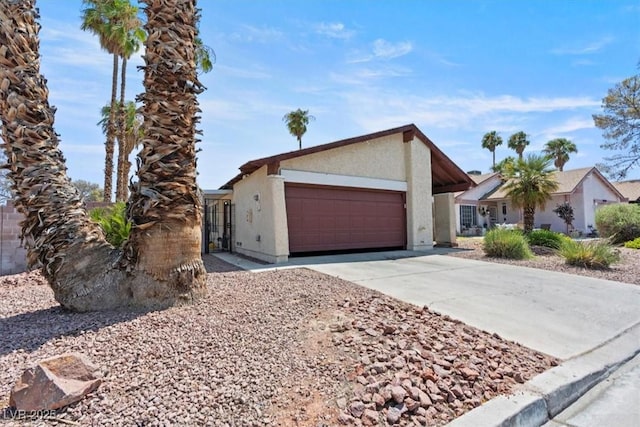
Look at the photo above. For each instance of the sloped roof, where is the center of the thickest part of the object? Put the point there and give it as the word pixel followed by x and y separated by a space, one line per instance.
pixel 568 181
pixel 446 175
pixel 629 189
pixel 479 179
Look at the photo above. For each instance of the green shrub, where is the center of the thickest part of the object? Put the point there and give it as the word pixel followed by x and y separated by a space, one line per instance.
pixel 619 222
pixel 633 244
pixel 546 238
pixel 502 243
pixel 596 254
pixel 113 221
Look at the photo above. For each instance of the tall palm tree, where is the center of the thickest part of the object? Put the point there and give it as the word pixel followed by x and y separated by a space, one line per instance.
pixel 161 263
pixel 297 122
pixel 131 139
pixel 518 142
pixel 559 150
pixel 530 185
pixel 111 21
pixel 133 41
pixel 491 141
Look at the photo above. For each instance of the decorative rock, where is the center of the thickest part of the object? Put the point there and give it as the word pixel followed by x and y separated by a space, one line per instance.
pixel 378 400
pixel 457 391
pixel 356 408
pixel 519 378
pixel 54 383
pixel 341 402
pixel 398 394
pixel 425 400
pixel 371 332
pixel 469 373
pixel 370 417
pixel 411 404
pixel 393 415
pixel 345 418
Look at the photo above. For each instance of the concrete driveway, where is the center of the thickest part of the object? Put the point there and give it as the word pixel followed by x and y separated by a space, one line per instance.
pixel 560 314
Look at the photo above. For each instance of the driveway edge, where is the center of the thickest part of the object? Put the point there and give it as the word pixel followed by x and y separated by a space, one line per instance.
pixel 546 395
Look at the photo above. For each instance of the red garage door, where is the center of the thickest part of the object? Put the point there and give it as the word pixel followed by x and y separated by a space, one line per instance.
pixel 337 218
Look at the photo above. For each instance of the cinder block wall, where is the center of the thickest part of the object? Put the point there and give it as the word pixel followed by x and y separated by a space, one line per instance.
pixel 13 258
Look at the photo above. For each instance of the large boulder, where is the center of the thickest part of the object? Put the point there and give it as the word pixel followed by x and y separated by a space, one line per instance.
pixel 53 383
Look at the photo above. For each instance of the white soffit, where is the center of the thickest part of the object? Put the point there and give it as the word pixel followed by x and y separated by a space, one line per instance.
pixel 318 178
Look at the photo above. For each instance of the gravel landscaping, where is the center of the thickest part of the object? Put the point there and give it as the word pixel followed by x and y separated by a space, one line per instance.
pixel 287 347
pixel 626 271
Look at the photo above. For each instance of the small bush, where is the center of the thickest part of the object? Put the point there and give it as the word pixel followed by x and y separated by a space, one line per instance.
pixel 633 244
pixel 597 254
pixel 546 238
pixel 502 243
pixel 113 221
pixel 619 222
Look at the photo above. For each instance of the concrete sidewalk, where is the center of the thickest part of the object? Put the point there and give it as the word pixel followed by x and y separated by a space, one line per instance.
pixel 592 324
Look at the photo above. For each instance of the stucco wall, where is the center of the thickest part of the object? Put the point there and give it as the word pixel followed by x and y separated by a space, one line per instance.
pixel 595 195
pixel 378 158
pixel 417 158
pixel 259 215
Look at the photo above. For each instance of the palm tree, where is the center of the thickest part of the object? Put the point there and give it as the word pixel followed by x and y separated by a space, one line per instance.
pixel 130 137
pixel 160 264
pixel 297 122
pixel 505 165
pixel 530 185
pixel 112 21
pixel 490 141
pixel 518 142
pixel 559 150
pixel 135 37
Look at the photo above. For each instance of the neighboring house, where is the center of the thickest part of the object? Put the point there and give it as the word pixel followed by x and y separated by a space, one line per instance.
pixel 470 217
pixel 584 189
pixel 629 189
pixel 389 189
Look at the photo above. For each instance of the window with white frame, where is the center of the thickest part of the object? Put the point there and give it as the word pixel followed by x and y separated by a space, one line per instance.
pixel 468 216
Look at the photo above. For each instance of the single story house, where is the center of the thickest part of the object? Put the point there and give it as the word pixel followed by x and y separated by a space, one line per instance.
pixel 469 220
pixel 389 189
pixel 629 189
pixel 584 189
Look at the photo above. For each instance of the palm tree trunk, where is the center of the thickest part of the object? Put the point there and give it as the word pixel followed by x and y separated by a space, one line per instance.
pixel 83 270
pixel 57 232
pixel 299 143
pixel 529 215
pixel 121 186
pixel 494 158
pixel 111 132
pixel 165 206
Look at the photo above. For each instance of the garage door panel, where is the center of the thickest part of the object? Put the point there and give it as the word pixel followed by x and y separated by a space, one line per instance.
pixel 334 218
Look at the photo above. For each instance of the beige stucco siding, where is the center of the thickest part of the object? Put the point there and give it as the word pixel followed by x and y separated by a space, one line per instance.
pixel 417 158
pixel 378 158
pixel 261 221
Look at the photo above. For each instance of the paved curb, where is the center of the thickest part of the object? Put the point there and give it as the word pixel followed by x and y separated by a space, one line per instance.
pixel 549 393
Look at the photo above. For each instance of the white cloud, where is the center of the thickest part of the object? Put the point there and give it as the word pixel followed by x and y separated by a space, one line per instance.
pixel 383 50
pixel 250 34
pixel 363 76
pixel 387 50
pixel 374 109
pixel 584 49
pixel 336 30
pixel 570 125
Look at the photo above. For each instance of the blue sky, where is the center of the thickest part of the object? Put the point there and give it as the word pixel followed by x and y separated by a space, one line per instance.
pixel 456 69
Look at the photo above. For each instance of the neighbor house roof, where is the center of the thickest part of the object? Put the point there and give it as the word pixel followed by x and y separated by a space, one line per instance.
pixel 568 181
pixel 479 179
pixel 446 175
pixel 629 189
